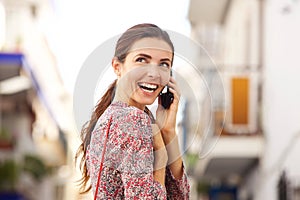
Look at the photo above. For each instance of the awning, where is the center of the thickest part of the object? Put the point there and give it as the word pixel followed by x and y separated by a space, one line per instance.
pixel 13 83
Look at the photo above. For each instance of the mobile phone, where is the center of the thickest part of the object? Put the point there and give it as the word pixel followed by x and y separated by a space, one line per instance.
pixel 167 97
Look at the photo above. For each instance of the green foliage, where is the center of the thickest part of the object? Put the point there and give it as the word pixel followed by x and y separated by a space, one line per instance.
pixel 9 173
pixel 4 135
pixel 191 160
pixel 203 188
pixel 35 166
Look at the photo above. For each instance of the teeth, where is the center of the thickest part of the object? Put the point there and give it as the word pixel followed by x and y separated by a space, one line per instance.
pixel 147 90
pixel 148 86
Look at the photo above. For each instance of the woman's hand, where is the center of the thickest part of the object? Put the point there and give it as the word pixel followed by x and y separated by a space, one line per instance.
pixel 166 118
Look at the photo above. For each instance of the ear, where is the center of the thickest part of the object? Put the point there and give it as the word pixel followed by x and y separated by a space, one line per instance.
pixel 116 64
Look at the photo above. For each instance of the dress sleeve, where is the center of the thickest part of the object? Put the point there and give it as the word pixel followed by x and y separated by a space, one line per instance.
pixel 177 189
pixel 136 150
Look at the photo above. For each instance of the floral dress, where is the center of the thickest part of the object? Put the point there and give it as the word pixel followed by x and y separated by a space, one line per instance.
pixel 128 162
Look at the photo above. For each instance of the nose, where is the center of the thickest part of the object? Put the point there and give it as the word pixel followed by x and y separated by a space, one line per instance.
pixel 153 71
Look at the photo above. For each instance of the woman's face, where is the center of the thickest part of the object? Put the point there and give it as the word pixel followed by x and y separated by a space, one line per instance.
pixel 144 73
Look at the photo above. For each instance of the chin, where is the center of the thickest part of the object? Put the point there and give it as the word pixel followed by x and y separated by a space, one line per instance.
pixel 145 102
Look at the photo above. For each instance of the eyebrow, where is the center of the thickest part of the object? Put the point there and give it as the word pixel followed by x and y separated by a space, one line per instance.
pixel 149 57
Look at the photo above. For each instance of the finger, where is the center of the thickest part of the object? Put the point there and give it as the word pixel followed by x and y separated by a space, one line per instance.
pixel 160 113
pixel 175 88
pixel 159 100
pixel 176 98
pixel 175 93
pixel 172 79
pixel 172 83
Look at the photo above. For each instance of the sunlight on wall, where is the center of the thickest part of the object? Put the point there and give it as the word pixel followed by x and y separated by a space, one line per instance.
pixel 2 26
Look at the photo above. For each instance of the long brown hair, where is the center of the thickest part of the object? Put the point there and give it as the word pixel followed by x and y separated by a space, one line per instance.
pixel 123 46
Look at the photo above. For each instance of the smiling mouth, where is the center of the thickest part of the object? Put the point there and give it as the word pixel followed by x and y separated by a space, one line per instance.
pixel 147 87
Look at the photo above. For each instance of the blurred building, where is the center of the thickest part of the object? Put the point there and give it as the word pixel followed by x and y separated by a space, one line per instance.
pixel 37 128
pixel 255 140
pixel 245 145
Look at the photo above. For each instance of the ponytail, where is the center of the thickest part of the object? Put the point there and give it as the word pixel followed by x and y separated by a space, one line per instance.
pixel 86 133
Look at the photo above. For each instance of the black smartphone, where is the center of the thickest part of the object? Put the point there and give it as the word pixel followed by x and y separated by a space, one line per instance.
pixel 166 97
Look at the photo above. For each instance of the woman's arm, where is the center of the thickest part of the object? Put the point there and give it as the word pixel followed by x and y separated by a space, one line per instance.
pixel 166 121
pixel 160 155
pixel 175 162
pixel 176 182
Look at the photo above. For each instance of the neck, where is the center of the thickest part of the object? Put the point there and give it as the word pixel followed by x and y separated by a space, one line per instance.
pixel 122 96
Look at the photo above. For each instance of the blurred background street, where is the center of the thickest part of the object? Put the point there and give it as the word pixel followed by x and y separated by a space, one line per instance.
pixel 239 118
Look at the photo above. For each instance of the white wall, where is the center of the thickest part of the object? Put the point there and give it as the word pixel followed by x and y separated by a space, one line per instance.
pixel 241 34
pixel 281 93
pixel 2 25
pixel 280 79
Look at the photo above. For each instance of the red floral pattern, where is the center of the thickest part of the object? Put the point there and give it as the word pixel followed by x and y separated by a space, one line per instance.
pixel 128 165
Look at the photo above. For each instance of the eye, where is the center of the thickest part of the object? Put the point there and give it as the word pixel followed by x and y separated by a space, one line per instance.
pixel 165 64
pixel 141 59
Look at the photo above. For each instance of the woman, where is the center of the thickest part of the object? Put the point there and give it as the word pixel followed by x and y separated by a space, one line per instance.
pixel 133 155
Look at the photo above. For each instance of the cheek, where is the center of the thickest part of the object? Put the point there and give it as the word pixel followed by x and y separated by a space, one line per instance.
pixel 165 77
pixel 135 74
